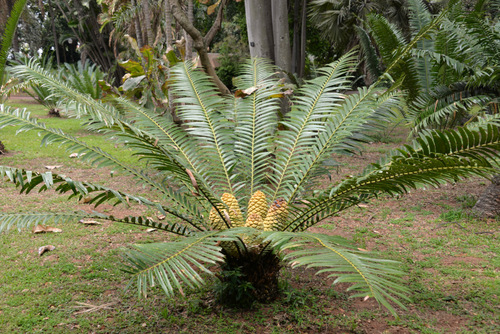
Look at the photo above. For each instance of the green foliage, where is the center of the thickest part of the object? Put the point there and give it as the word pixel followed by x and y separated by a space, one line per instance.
pixel 8 34
pixel 234 290
pixel 450 75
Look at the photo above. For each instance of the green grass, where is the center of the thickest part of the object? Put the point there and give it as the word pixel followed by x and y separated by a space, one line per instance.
pixel 24 146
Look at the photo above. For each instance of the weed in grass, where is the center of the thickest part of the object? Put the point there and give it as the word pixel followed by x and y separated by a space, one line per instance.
pixel 453 215
pixel 467 201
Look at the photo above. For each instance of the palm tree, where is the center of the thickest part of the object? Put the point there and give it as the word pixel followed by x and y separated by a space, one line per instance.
pixel 236 182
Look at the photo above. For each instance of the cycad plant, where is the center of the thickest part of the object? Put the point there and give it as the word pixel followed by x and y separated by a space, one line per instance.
pixel 236 182
pixel 444 75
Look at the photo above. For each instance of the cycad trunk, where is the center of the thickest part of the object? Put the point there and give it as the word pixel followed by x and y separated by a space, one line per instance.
pixel 2 148
pixel 488 204
pixel 259 273
pixel 148 17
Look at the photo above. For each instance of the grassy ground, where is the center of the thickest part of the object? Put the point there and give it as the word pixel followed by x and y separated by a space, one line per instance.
pixel 452 261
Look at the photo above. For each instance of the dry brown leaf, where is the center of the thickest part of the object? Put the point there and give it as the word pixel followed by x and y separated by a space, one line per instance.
pixel 149 230
pixel 44 249
pixel 160 217
pixel 88 308
pixel 53 167
pixel 211 8
pixel 86 200
pixel 46 229
pixel 89 222
pixel 366 298
pixel 362 205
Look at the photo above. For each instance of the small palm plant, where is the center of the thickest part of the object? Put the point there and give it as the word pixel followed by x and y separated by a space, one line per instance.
pixel 236 181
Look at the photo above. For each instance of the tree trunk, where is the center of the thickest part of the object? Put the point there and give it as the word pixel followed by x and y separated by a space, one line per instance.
pixel 2 148
pixel 147 23
pixel 296 36
pixel 302 51
pixel 488 204
pixel 200 43
pixel 54 32
pixel 189 40
pixel 137 26
pixel 168 25
pixel 281 35
pixel 260 28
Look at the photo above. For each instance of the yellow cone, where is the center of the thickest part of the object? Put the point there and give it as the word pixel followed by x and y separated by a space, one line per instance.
pixel 234 210
pixel 276 215
pixel 257 205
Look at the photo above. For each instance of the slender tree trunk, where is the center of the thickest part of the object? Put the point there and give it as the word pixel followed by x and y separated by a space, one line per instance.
pixel 260 28
pixel 189 40
pixel 54 32
pixel 137 26
pixel 168 24
pixel 488 204
pixel 2 148
pixel 302 53
pixel 199 42
pixel 296 36
pixel 147 23
pixel 281 35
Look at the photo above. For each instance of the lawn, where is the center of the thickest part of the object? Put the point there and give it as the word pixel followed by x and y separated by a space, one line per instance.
pixel 79 287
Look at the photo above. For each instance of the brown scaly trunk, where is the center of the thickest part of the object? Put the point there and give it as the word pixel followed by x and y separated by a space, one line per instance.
pixel 488 204
pixel 2 148
pixel 259 269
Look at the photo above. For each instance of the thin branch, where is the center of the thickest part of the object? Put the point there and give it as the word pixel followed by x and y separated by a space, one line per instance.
pixel 199 43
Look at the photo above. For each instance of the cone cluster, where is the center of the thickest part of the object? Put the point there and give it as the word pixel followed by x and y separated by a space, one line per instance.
pixel 259 215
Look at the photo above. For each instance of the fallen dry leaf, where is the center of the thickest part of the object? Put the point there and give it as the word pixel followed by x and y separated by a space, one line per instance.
pixel 149 230
pixel 73 155
pixel 53 167
pixel 88 308
pixel 44 249
pixel 160 217
pixel 89 222
pixel 46 229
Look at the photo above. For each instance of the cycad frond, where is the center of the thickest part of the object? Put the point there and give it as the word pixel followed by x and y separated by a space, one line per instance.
pixel 96 194
pixel 345 120
pixel 203 112
pixel 173 263
pixel 306 120
pixel 80 103
pixel 442 107
pixel 369 53
pixel 436 157
pixel 372 277
pixel 25 220
pixel 256 121
pixel 8 34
